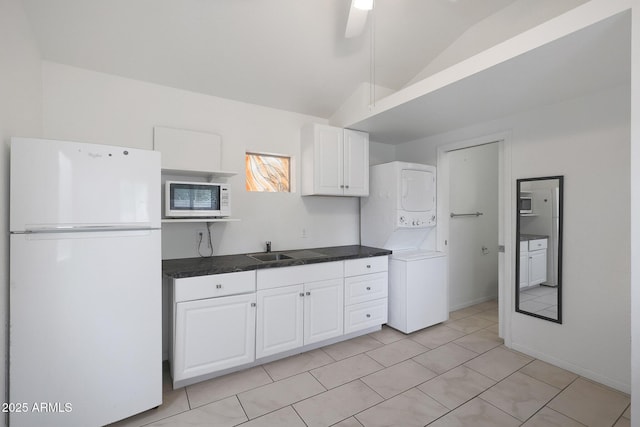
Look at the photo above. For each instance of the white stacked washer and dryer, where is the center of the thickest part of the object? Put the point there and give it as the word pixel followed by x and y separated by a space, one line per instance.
pixel 400 215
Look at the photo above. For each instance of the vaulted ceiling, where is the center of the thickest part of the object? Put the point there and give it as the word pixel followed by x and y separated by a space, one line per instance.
pixel 285 54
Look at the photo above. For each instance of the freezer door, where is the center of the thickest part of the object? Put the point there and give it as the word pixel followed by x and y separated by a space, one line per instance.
pixel 57 184
pixel 85 326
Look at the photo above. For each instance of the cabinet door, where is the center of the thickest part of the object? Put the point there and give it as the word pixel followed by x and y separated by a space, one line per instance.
pixel 537 267
pixel 524 269
pixel 356 163
pixel 279 320
pixel 213 334
pixel 323 310
pixel 329 166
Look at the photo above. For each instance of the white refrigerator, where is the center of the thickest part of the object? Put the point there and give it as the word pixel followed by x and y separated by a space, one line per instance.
pixel 85 283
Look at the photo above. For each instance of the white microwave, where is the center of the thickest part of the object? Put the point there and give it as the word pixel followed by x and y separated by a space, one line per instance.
pixel 196 199
pixel 525 205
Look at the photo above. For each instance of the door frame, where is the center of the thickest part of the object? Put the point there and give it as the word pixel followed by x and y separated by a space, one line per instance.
pixel 505 218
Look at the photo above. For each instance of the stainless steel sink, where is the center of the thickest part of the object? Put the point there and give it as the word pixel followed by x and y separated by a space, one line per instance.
pixel 270 256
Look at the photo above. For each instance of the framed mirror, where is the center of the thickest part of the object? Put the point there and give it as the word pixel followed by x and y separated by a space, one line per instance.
pixel 539 247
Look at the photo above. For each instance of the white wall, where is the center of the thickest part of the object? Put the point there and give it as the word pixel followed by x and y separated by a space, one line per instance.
pixel 87 106
pixel 381 153
pixel 20 114
pixel 510 21
pixel 587 141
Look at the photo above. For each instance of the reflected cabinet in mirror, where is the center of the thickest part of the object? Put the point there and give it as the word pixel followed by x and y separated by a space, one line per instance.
pixel 539 247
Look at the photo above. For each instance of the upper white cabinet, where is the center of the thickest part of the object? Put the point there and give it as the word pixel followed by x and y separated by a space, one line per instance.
pixel 187 152
pixel 335 161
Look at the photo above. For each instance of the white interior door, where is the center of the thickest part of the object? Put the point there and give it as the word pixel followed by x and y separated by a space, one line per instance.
pixel 473 240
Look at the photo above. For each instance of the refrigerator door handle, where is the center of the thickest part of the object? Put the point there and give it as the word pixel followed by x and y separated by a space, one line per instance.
pixel 86 228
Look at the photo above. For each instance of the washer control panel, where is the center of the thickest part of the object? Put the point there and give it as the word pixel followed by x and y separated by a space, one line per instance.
pixel 415 219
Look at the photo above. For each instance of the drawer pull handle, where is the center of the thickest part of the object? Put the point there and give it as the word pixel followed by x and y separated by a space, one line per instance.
pixel 368 288
pixel 301 294
pixel 308 293
pixel 218 286
pixel 368 266
pixel 368 315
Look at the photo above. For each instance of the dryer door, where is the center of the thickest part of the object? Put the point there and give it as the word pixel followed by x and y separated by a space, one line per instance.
pixel 418 191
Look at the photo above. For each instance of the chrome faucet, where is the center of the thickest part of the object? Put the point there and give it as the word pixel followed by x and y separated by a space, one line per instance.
pixel 268 246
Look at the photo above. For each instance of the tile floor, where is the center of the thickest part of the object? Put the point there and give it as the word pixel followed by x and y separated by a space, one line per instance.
pixel 454 374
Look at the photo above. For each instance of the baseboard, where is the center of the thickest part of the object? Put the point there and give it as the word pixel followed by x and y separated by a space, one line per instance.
pixel 473 302
pixel 578 370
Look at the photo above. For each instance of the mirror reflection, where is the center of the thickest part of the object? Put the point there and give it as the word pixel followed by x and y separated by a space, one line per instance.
pixel 539 247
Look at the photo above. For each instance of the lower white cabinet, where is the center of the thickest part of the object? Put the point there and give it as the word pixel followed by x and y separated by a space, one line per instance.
pixel 533 262
pixel 213 334
pixel 537 267
pixel 323 310
pixel 279 322
pixel 366 288
pixel 292 316
pixel 229 320
pixel 524 269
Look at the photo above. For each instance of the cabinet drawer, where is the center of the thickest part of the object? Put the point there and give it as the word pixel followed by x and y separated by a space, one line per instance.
pixel 366 287
pixel 524 246
pixel 534 245
pixel 269 278
pixel 355 267
pixel 214 285
pixel 365 315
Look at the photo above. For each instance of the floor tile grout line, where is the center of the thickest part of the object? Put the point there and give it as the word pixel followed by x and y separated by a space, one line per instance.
pixel 501 410
pixel 243 410
pixel 560 390
pixel 186 392
pixel 546 405
pixel 299 415
pixel 593 382
pixel 466 401
pixel 543 381
pixel 277 409
pixel 290 404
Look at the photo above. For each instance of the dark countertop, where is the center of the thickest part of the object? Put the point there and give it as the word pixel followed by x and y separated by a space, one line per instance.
pixel 190 267
pixel 524 237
